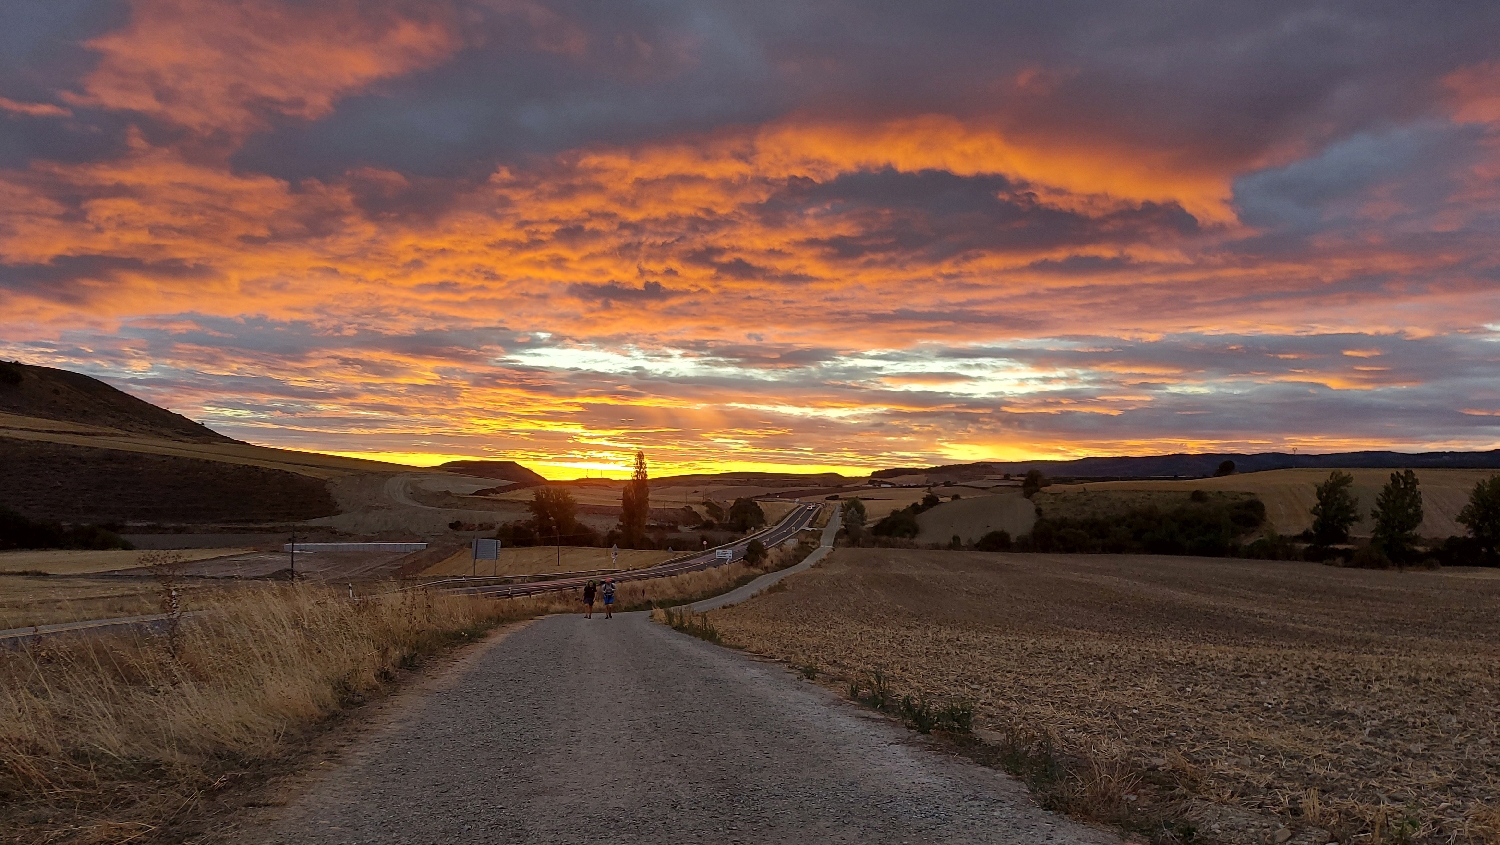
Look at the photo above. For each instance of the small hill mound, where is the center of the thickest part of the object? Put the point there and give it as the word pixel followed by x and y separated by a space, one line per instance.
pixel 52 394
pixel 502 470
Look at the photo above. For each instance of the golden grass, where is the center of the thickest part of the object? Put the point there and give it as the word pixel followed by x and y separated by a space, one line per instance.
pixel 544 559
pixel 1289 494
pixel 87 562
pixel 1362 702
pixel 111 739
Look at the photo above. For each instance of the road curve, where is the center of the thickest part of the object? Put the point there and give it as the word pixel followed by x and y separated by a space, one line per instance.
pixel 623 730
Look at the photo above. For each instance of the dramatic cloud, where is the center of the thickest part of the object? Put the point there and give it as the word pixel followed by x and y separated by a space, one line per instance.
pixel 837 234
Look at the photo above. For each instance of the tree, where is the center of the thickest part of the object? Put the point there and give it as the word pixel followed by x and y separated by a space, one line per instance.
pixel 553 511
pixel 1225 468
pixel 746 514
pixel 1398 513
pixel 1033 483
pixel 1482 517
pixel 854 519
pixel 635 505
pixel 755 553
pixel 1336 510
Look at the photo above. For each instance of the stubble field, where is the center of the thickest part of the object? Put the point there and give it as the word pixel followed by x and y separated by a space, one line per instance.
pixel 1366 704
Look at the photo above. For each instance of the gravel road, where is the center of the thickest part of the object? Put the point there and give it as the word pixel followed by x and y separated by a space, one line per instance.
pixel 622 730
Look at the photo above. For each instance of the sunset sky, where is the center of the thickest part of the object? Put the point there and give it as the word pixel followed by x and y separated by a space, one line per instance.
pixel 763 235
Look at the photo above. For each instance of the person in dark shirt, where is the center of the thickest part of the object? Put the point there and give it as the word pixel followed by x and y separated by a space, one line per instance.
pixel 589 591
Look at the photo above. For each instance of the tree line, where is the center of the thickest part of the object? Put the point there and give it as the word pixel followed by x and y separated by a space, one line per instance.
pixel 554 518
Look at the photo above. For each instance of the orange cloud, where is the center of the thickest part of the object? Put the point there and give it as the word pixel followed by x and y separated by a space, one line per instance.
pixel 224 67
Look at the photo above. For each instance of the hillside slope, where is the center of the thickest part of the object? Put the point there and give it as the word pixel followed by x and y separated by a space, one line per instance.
pixel 499 470
pixel 1198 466
pixel 52 394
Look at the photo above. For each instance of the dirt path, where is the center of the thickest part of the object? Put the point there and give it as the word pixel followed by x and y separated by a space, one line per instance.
pixel 622 730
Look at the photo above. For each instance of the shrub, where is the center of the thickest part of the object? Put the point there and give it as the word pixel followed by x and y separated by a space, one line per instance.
pixel 1033 483
pixel 995 541
pixel 1225 468
pixel 1197 528
pixel 1273 546
pixel 1369 557
pixel 902 523
pixel 755 553
pixel 1462 551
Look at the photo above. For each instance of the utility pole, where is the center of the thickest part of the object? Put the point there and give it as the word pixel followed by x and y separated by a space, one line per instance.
pixel 293 549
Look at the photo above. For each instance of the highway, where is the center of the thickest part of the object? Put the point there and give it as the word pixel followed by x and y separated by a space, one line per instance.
pixel 797 520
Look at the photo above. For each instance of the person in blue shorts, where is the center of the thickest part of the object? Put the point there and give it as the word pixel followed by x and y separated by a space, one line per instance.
pixel 608 591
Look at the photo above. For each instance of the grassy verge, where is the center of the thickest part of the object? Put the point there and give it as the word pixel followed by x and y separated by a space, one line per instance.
pixel 695 586
pixel 114 739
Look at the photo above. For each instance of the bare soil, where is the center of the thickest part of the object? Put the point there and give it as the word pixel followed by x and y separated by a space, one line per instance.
pixel 1364 703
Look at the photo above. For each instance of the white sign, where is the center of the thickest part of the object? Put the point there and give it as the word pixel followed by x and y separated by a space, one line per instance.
pixel 486 549
pixel 723 554
pixel 614 553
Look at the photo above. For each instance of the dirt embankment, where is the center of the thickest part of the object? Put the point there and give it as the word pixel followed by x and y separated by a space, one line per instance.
pixel 81 484
pixel 1359 702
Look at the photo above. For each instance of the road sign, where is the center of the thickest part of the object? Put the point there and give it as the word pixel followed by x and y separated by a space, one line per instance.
pixel 723 554
pixel 486 549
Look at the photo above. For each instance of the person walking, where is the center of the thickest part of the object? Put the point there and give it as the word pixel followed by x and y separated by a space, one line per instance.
pixel 609 597
pixel 589 591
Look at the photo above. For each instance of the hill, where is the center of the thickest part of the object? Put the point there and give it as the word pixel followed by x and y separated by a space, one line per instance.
pixel 501 470
pixel 51 394
pixel 1201 466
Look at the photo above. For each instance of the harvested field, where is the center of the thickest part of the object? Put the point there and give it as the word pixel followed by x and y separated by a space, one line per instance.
pixel 83 484
pixel 1289 497
pixel 882 502
pixel 41 600
pixel 82 562
pixel 973 517
pixel 1366 703
pixel 541 560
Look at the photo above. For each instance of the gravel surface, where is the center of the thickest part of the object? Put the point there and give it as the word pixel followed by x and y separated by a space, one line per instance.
pixel 622 730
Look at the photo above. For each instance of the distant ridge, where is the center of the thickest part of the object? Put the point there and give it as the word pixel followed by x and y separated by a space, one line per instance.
pixel 52 394
pixel 502 470
pixel 1201 466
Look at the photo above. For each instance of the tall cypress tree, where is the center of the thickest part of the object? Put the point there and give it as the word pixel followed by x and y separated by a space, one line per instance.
pixel 635 505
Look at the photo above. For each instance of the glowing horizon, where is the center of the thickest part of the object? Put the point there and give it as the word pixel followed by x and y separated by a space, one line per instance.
pixel 794 235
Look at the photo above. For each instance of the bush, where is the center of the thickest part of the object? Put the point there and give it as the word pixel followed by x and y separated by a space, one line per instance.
pixel 902 523
pixel 1273 546
pixel 1462 551
pixel 995 541
pixel 1369 557
pixel 755 553
pixel 1198 528
pixel 1033 483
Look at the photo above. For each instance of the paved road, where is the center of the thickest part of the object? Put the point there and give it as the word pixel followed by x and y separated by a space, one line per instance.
pixel 622 730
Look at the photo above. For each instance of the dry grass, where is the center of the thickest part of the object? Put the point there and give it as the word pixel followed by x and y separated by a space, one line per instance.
pixel 112 739
pixel 1366 703
pixel 544 559
pixel 82 562
pixel 1288 494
